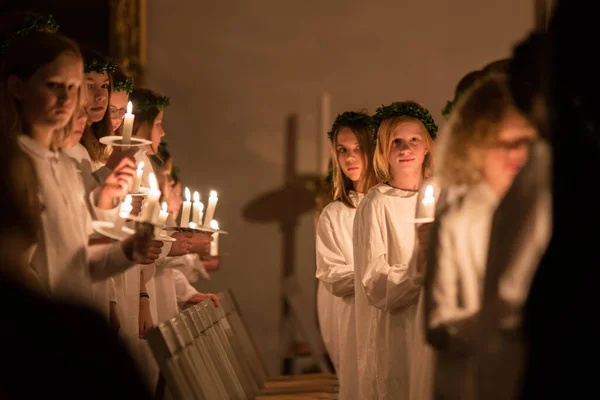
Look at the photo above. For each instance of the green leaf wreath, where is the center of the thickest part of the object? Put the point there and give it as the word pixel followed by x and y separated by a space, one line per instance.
pixel 351 119
pixel 406 109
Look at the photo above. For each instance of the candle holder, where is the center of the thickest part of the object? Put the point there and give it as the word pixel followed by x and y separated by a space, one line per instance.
pixel 117 141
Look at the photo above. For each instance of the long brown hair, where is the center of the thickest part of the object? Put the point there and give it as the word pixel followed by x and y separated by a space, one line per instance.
pixel 97 130
pixel 23 58
pixel 360 123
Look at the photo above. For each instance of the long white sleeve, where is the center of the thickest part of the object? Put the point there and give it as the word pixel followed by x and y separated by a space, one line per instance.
pixel 106 260
pixel 386 286
pixel 336 275
pixel 183 289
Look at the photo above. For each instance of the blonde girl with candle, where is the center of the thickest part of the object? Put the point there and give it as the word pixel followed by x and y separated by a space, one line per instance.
pixel 352 145
pixel 483 149
pixel 41 78
pixel 384 242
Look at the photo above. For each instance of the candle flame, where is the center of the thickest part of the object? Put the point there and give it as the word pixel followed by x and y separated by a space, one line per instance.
pixel 187 194
pixel 196 197
pixel 126 207
pixel 141 166
pixel 129 108
pixel 201 206
pixel 153 182
pixel 428 199
pixel 214 225
pixel 164 206
pixel 213 194
pixel 192 225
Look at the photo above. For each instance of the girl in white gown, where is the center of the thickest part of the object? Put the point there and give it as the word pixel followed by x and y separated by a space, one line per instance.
pixel 352 151
pixel 384 238
pixel 42 77
pixel 483 149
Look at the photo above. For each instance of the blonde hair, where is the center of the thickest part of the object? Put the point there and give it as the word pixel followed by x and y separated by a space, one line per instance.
pixel 385 135
pixel 474 125
pixel 342 185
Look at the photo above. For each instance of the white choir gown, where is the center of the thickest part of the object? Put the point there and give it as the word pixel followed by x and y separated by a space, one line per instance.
pixel 457 287
pixel 386 292
pixel 64 262
pixel 103 291
pixel 335 272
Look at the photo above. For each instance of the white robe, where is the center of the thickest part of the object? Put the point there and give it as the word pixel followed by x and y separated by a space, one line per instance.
pixel 457 288
pixel 385 291
pixel 64 262
pixel 520 234
pixel 335 271
pixel 183 289
pixel 103 291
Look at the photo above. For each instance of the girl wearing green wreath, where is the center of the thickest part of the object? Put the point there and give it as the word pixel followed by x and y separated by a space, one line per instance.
pixel 352 155
pixel 386 294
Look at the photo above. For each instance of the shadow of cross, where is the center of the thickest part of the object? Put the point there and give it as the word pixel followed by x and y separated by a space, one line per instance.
pixel 284 206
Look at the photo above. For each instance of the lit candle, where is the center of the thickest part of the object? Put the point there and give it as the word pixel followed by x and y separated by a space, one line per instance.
pixel 124 211
pixel 214 245
pixel 193 225
pixel 163 215
pixel 138 178
pixel 197 209
pixel 428 203
pixel 210 209
pixel 152 206
pixel 128 124
pixel 185 211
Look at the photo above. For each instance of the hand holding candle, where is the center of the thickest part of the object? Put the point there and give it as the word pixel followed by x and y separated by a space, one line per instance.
pixel 185 211
pixel 210 209
pixel 214 245
pixel 128 124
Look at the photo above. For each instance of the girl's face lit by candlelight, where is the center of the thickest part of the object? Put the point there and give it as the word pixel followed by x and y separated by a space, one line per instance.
pixel 49 96
pixel 408 148
pixel 154 132
pixel 118 108
pixel 97 99
pixel 349 154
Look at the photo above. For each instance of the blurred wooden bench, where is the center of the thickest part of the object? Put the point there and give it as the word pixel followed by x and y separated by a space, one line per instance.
pixel 206 352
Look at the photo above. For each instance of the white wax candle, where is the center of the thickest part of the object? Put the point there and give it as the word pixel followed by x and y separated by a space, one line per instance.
pixel 214 245
pixel 152 206
pixel 428 203
pixel 185 211
pixel 197 209
pixel 128 124
pixel 163 215
pixel 210 209
pixel 138 178
pixel 124 211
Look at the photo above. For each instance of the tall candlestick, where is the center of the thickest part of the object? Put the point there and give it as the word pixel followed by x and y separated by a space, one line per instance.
pixel 323 127
pixel 210 209
pixel 214 245
pixel 197 209
pixel 124 211
pixel 138 178
pixel 152 206
pixel 185 211
pixel 128 124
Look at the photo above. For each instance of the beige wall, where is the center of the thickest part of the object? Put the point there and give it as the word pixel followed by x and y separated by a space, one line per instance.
pixel 236 69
